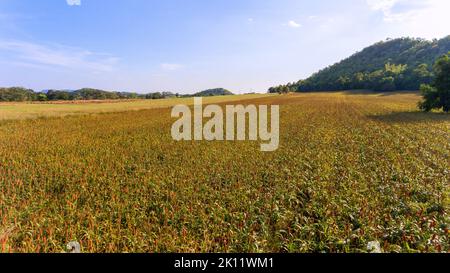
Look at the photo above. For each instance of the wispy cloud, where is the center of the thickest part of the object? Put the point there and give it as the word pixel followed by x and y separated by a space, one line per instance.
pixel 293 24
pixel 171 66
pixel 387 8
pixel 33 54
pixel 73 2
pixel 383 5
pixel 406 10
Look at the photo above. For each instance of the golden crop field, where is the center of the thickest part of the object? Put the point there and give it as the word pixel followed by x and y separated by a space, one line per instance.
pixel 24 110
pixel 351 168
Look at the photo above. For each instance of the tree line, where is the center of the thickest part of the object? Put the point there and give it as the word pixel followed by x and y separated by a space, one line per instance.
pixel 391 78
pixel 20 94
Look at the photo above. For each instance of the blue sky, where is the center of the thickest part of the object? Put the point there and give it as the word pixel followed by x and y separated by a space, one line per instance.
pixel 190 45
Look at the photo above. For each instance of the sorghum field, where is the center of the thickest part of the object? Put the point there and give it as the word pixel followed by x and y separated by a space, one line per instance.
pixel 352 168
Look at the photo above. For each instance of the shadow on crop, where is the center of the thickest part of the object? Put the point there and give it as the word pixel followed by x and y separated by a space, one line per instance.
pixel 380 93
pixel 411 117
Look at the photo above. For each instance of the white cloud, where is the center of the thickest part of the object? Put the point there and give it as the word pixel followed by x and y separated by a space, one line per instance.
pixel 386 7
pixel 32 54
pixel 406 10
pixel 421 18
pixel 293 24
pixel 383 5
pixel 73 2
pixel 171 67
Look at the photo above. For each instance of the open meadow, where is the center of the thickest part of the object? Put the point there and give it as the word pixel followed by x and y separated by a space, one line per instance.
pixel 352 168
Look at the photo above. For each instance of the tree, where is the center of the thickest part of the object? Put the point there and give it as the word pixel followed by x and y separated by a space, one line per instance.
pixel 41 97
pixel 437 95
pixel 16 94
pixel 283 89
pixel 58 95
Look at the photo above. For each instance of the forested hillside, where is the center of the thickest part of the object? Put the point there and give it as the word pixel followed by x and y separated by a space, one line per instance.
pixel 399 64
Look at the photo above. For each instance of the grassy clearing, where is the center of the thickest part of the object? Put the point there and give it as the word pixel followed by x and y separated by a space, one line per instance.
pixel 16 111
pixel 351 168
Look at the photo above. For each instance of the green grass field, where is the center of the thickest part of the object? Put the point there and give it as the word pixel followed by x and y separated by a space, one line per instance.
pixel 351 168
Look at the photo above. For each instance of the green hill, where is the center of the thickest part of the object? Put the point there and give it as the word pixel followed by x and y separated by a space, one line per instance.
pixel 399 64
pixel 214 92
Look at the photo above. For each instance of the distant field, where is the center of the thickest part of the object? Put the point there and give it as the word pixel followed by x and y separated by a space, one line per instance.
pixel 57 109
pixel 351 168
